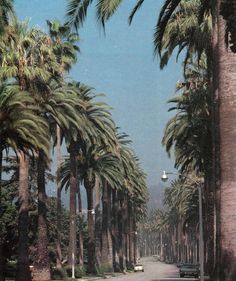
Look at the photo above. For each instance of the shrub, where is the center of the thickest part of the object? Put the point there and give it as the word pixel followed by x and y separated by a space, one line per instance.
pixel 58 274
pixel 79 271
pixel 10 269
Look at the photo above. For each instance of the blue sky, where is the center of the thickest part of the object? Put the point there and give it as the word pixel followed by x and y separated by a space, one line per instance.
pixel 121 65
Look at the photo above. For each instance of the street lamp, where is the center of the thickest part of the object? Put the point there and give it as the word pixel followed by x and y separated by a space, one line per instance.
pixel 164 178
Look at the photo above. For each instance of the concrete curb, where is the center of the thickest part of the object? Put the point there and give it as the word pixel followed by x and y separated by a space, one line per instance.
pixel 103 277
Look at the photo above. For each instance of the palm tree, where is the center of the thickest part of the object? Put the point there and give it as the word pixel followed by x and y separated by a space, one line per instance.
pixel 224 67
pixel 6 12
pixel 22 129
pixel 60 106
pixel 94 163
pixel 189 130
pixel 132 196
pixel 224 61
pixel 185 33
pixel 30 133
pixel 99 127
pixel 26 58
pixel 104 167
pixel 177 222
pixel 65 51
pixel 64 44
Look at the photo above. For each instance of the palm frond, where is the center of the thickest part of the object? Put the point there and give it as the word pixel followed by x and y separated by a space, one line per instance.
pixel 134 10
pixel 76 12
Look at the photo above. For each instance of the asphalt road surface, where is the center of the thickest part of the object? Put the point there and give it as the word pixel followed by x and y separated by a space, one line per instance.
pixel 153 271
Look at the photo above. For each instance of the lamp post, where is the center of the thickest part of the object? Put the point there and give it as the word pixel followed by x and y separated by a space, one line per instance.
pixel 164 178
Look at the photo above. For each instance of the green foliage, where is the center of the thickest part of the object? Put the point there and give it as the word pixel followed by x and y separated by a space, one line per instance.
pixel 181 201
pixel 58 274
pixel 52 229
pixel 102 269
pixel 11 269
pixel 6 13
pixel 189 131
pixel 8 222
pixel 79 271
pixel 34 100
pixel 21 127
pixel 64 44
pixel 184 32
pixel 77 11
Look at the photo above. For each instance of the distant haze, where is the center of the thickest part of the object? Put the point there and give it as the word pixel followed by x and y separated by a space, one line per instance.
pixel 155 196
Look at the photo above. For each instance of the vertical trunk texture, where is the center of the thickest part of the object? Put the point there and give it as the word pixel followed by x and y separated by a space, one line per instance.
pixel 107 255
pixel 42 264
pixel 98 223
pixel 131 234
pixel 73 190
pixel 161 247
pixel 2 260
pixel 91 227
pixel 215 174
pixel 58 241
pixel 81 245
pixel 23 272
pixel 227 111
pixel 115 231
pixel 120 232
pixel 125 230
pixel 135 239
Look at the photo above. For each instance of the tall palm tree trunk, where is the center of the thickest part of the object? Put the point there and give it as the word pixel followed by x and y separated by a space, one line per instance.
pixel 131 235
pixel 23 272
pixel 135 239
pixel 173 237
pixel 98 223
pixel 58 241
pixel 161 247
pixel 216 141
pixel 91 228
pixel 73 190
pixel 42 264
pixel 81 245
pixel 2 260
pixel 125 230
pixel 106 253
pixel 115 230
pixel 227 115
pixel 120 232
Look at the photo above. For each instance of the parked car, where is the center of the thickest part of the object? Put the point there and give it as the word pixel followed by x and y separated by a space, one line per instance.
pixel 138 267
pixel 188 269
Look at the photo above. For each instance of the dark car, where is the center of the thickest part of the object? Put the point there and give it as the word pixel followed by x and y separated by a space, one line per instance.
pixel 188 269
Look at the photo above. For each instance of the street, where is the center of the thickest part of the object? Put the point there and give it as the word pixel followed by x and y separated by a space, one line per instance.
pixel 153 271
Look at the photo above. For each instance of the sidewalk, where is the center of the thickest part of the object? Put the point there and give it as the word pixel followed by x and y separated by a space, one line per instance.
pixel 106 276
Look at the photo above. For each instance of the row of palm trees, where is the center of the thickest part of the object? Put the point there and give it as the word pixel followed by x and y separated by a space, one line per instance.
pixel 177 28
pixel 171 233
pixel 188 135
pixel 202 131
pixel 39 109
pixel 200 28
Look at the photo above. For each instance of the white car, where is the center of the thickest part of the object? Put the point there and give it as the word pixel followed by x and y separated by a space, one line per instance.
pixel 138 267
